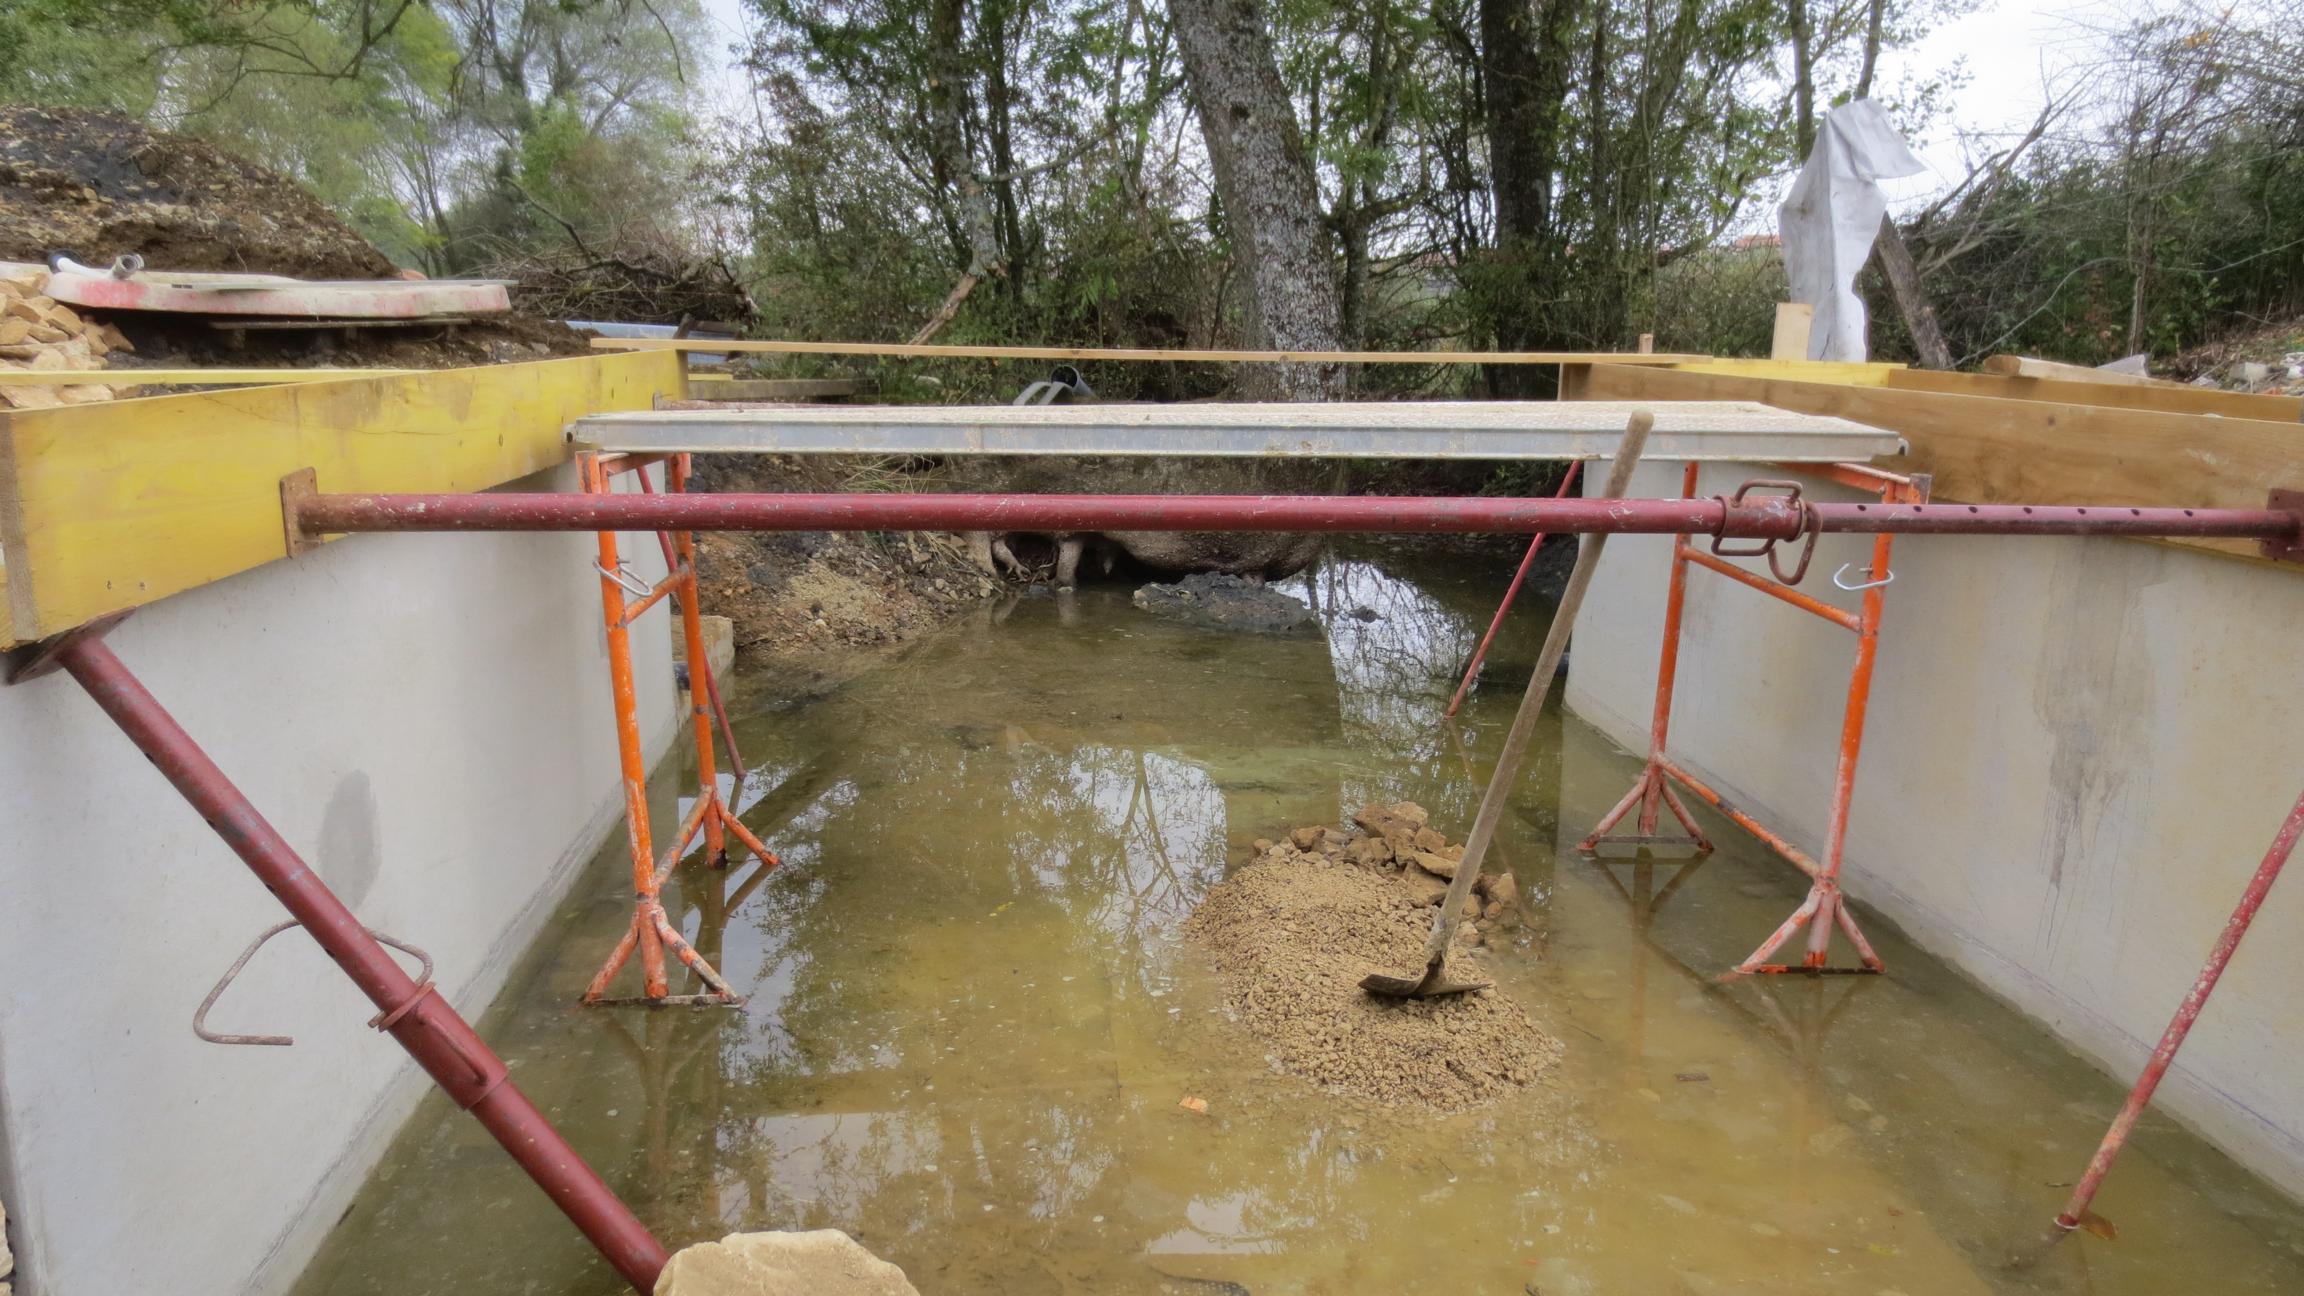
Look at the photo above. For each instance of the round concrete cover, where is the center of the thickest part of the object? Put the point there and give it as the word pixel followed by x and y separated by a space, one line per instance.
pixel 826 1262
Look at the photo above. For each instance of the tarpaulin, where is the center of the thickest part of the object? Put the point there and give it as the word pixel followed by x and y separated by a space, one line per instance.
pixel 1833 214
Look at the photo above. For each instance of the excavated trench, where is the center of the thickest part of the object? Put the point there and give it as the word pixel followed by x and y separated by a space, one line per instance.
pixel 985 1037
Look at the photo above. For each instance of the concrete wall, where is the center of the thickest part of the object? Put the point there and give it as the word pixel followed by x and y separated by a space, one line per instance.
pixel 427 719
pixel 2077 752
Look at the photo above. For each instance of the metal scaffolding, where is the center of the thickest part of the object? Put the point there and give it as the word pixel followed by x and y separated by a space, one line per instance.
pixel 1766 516
pixel 1824 908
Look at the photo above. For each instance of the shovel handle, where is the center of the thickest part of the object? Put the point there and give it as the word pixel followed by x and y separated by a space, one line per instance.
pixel 1507 771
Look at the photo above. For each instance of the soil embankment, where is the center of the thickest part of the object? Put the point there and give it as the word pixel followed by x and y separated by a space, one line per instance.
pixel 98 185
pixel 1293 932
pixel 808 606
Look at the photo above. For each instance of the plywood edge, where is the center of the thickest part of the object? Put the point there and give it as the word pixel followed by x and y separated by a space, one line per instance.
pixel 16 584
pixel 1847 373
pixel 949 351
pixel 2163 397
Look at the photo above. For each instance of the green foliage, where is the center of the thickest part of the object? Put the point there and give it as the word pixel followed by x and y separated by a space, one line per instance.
pixel 892 145
pixel 1720 301
pixel 2177 218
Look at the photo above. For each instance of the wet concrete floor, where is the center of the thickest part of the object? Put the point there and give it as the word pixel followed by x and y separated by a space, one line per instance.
pixel 970 1022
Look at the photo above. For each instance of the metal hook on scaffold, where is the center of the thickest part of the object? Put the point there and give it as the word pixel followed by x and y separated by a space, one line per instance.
pixel 1840 578
pixel 223 983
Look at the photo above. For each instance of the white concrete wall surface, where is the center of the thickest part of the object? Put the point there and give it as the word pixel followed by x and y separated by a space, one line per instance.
pixel 427 719
pixel 2076 754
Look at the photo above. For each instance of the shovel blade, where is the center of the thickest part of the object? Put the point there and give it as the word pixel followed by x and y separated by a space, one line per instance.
pixel 1392 987
pixel 1427 986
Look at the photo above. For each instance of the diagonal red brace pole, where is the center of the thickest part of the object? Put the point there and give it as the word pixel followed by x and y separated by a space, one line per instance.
pixel 414 1014
pixel 2187 1012
pixel 1511 592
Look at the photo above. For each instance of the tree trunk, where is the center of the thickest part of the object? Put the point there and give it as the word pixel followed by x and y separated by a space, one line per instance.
pixel 1803 79
pixel 1264 181
pixel 1524 66
pixel 1874 21
pixel 1911 296
pixel 1353 332
pixel 948 75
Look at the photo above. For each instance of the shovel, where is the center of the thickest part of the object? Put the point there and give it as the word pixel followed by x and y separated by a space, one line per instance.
pixel 1431 983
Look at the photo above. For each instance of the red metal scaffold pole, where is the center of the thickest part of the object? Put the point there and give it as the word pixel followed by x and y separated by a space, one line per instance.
pixel 412 1012
pixel 1511 593
pixel 2187 1012
pixel 1765 513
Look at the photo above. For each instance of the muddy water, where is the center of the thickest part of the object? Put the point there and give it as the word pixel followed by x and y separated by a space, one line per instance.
pixel 970 1023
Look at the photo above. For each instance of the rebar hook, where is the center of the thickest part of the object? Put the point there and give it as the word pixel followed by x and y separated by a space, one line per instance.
pixel 623 578
pixel 1838 578
pixel 200 1015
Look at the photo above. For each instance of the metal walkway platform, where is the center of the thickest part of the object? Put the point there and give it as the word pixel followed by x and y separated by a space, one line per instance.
pixel 1685 431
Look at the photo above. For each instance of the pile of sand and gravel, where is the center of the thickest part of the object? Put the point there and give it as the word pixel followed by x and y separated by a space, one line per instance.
pixel 1293 932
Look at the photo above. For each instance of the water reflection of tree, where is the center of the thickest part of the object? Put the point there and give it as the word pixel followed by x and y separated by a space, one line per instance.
pixel 1394 670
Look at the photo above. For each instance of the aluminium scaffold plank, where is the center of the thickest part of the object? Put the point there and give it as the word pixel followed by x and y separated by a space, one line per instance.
pixel 1709 430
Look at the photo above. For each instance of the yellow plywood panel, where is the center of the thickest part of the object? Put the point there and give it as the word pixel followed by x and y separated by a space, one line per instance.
pixel 109 506
pixel 1987 450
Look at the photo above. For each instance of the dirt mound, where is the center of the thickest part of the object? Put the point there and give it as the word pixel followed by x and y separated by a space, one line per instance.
pixel 170 341
pixel 802 600
pixel 98 184
pixel 1293 933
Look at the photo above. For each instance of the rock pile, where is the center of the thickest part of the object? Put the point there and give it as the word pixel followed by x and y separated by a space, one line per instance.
pixel 37 332
pixel 1293 932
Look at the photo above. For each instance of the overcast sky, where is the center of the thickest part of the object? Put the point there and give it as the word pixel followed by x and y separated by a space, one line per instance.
pixel 2012 52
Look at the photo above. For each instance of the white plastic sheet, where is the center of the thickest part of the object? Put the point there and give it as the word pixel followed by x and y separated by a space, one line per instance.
pixel 1831 217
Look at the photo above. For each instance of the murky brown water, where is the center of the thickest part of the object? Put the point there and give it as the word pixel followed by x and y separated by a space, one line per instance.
pixel 970 1022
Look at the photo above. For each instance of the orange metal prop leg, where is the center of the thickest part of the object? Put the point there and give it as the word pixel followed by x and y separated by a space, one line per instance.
pixel 1825 907
pixel 1651 790
pixel 652 931
pixel 699 674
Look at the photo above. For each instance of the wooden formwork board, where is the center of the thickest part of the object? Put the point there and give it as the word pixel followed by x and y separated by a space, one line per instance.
pixel 2164 398
pixel 1999 450
pixel 110 506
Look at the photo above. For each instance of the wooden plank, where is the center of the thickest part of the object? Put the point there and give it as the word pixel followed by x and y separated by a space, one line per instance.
pixel 1850 372
pixel 2010 366
pixel 1795 323
pixel 2167 397
pixel 1985 450
pixel 114 505
pixel 726 388
pixel 186 377
pixel 935 351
